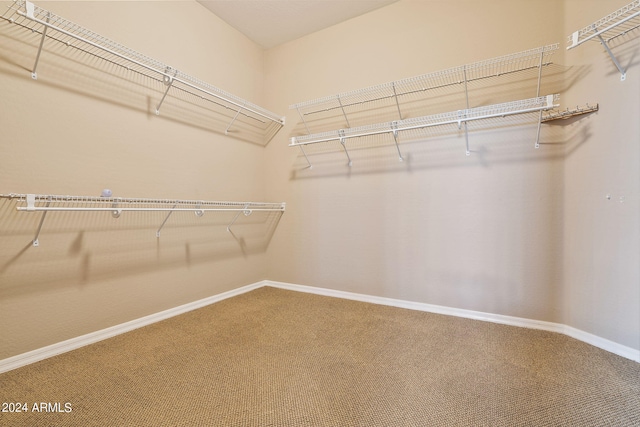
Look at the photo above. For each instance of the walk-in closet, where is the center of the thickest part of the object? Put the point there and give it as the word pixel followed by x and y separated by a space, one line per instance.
pixel 320 213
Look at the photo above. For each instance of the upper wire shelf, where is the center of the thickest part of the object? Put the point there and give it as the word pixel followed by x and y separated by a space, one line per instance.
pixel 529 59
pixel 56 28
pixel 608 28
pixel 117 205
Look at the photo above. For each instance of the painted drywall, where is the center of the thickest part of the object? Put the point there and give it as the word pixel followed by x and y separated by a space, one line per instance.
pixel 602 184
pixel 78 129
pixel 507 230
pixel 481 232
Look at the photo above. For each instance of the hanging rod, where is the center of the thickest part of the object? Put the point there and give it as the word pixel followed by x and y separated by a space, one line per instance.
pixel 507 64
pixel 117 205
pixel 606 29
pixel 459 117
pixel 25 13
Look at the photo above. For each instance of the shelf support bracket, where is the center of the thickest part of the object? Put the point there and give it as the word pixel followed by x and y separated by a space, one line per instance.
pixel 395 96
pixel 31 202
pixel 343 141
pixel 623 74
pixel 116 212
pixel 246 211
pixel 305 156
pixel 538 131
pixel 303 121
pixel 394 127
pixel 462 119
pixel 29 6
pixel 466 139
pixel 165 220
pixel 466 97
pixel 168 82
pixel 539 74
pixel 199 212
pixel 343 112
pixel 226 131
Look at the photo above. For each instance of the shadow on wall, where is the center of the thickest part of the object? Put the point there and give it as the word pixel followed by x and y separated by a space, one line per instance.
pixel 78 248
pixel 497 140
pixel 488 147
pixel 74 70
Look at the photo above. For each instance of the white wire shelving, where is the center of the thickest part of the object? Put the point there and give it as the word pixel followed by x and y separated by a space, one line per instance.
pixel 53 28
pixel 397 90
pixel 116 206
pixel 605 30
pixel 402 92
pixel 459 118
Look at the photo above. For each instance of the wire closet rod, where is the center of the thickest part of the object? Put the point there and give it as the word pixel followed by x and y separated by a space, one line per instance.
pixel 459 117
pixel 168 73
pixel 117 205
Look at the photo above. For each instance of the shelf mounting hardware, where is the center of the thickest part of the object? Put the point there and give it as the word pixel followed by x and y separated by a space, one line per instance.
pixel 167 79
pixel 614 25
pixel 537 144
pixel 115 206
pixel 394 127
pixel 165 220
pixel 31 200
pixel 226 131
pixel 623 73
pixel 343 112
pixel 305 156
pixel 30 13
pixel 395 96
pixel 466 96
pixel 343 142
pixel 246 212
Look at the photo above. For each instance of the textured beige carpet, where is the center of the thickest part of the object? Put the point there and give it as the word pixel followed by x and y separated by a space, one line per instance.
pixel 280 358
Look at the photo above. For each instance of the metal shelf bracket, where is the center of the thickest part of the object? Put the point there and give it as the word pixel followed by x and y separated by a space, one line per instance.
pixel 343 142
pixel 608 28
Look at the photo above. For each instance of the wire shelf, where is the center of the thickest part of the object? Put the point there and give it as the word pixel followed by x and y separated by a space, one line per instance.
pixel 37 202
pixel 56 28
pixel 605 30
pixel 614 25
pixel 526 60
pixel 454 117
pixel 116 206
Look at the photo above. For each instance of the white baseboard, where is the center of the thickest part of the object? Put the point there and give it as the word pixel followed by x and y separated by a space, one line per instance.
pixel 596 341
pixel 93 337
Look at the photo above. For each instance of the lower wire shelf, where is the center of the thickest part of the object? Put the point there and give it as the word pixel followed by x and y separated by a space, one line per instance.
pixel 117 205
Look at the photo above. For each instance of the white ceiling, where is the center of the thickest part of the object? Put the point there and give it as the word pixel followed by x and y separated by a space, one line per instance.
pixel 273 22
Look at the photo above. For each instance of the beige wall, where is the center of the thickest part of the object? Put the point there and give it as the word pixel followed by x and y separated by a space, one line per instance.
pixel 602 236
pixel 481 232
pixel 77 130
pixel 508 230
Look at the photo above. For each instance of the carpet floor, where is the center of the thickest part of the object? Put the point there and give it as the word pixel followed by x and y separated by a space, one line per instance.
pixel 273 357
